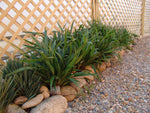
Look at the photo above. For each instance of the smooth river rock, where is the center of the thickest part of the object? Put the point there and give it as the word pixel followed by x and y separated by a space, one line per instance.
pixel 54 104
pixel 20 100
pixel 68 92
pixel 13 108
pixel 33 102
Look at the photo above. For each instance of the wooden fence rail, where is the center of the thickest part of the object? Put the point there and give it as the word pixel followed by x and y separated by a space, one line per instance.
pixel 17 16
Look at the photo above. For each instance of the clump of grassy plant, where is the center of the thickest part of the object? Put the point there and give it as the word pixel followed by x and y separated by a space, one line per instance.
pixel 28 83
pixel 8 92
pixel 82 42
pixel 124 37
pixel 108 39
pixel 89 51
pixel 11 66
pixel 55 58
pixel 103 37
pixel 24 78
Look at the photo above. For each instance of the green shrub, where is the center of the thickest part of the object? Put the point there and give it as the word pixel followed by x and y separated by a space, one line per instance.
pixel 28 83
pixel 24 77
pixel 8 93
pixel 103 37
pixel 108 39
pixel 11 66
pixel 124 37
pixel 55 58
pixel 81 42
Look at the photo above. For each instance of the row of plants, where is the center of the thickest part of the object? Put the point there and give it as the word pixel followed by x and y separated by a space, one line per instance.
pixel 58 58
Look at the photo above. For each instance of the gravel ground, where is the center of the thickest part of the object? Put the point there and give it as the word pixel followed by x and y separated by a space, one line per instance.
pixel 125 87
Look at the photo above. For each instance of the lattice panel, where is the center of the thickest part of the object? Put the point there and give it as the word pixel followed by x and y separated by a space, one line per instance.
pixel 121 12
pixel 35 15
pixel 147 17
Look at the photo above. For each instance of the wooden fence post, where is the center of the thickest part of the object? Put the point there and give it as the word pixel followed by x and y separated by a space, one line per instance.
pixel 97 13
pixel 142 17
pixel 95 9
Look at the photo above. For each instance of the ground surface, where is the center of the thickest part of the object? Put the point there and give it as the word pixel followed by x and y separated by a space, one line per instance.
pixel 125 87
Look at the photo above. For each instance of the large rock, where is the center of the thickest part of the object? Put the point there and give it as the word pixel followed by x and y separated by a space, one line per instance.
pixel 56 91
pixel 107 63
pixel 121 52
pixel 20 100
pixel 101 67
pixel 46 94
pixel 81 83
pixel 44 88
pixel 45 91
pixel 89 77
pixel 114 59
pixel 89 68
pixel 54 104
pixel 33 102
pixel 13 108
pixel 68 92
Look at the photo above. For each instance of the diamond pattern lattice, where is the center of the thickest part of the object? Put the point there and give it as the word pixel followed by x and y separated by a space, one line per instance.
pixel 35 15
pixel 147 17
pixel 121 12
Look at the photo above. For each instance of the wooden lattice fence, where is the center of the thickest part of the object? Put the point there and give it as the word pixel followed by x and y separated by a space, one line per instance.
pixel 147 17
pixel 17 16
pixel 35 15
pixel 125 13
